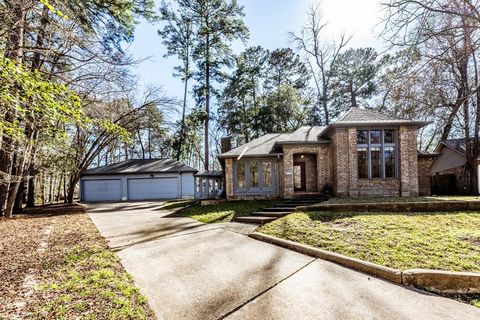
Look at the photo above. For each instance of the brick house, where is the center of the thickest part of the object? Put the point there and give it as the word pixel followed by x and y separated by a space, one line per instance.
pixel 364 153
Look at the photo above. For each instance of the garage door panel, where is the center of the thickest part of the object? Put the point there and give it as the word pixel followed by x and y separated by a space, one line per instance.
pixel 153 188
pixel 102 190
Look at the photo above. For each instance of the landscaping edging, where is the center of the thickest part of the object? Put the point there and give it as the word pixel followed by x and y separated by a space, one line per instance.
pixel 431 280
pixel 386 273
pixel 433 206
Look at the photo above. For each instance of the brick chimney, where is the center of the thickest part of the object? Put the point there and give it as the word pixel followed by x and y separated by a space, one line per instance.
pixel 226 144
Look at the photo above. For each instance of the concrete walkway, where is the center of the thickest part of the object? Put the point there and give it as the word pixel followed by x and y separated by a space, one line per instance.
pixel 190 270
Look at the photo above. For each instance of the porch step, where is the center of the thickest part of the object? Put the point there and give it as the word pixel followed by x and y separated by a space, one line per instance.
pixel 279 209
pixel 270 214
pixel 285 205
pixel 255 219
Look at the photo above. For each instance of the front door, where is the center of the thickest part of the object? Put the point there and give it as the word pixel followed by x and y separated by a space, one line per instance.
pixel 299 183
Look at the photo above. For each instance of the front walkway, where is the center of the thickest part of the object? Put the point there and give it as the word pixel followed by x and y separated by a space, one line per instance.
pixel 191 270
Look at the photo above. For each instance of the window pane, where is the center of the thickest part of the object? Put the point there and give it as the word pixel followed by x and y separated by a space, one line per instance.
pixel 253 174
pixel 362 157
pixel 241 175
pixel 267 174
pixel 376 161
pixel 375 136
pixel 389 155
pixel 389 136
pixel 362 136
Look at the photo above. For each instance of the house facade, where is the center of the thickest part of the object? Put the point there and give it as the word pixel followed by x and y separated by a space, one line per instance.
pixel 448 169
pixel 364 153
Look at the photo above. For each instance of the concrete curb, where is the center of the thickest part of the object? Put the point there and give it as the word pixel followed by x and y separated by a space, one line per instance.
pixel 432 280
pixel 386 273
pixel 432 206
pixel 442 281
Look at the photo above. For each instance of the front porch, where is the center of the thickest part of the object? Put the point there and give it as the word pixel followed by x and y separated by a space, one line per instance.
pixel 306 170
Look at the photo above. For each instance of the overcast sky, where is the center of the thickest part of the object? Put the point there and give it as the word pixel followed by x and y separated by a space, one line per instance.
pixel 268 21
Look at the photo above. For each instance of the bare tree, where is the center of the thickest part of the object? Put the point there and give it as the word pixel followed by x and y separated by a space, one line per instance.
pixel 321 55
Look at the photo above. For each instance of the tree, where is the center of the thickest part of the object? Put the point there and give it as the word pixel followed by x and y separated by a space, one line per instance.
pixel 446 33
pixel 216 23
pixel 321 57
pixel 46 105
pixel 177 36
pixel 354 78
pixel 241 98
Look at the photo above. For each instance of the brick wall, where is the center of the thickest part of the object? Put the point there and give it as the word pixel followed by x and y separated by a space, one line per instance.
pixel 344 159
pixel 408 161
pixel 316 177
pixel 424 164
pixel 345 167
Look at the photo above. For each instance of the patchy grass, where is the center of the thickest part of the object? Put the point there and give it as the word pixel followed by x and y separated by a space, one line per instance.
pixel 223 212
pixel 72 274
pixel 400 199
pixel 444 241
pixel 475 303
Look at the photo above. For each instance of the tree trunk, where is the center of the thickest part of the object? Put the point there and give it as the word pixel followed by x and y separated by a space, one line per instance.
pixel 207 101
pixel 13 50
pixel 31 189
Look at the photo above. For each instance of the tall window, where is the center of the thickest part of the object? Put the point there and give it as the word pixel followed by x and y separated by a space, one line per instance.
pixel 241 181
pixel 254 176
pixel 376 153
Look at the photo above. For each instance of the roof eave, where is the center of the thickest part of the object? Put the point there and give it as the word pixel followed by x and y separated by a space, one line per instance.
pixel 227 156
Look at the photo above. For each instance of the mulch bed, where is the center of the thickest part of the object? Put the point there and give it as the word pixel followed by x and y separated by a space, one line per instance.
pixel 36 251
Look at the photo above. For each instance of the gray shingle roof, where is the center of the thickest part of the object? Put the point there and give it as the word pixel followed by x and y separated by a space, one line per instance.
pixel 141 166
pixel 359 116
pixel 305 134
pixel 259 147
pixel 457 145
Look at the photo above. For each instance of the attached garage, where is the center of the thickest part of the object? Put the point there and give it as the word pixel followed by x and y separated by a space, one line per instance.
pixel 138 179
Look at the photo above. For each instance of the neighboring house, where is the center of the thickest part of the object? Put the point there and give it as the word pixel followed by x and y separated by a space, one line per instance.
pixel 449 167
pixel 152 179
pixel 364 153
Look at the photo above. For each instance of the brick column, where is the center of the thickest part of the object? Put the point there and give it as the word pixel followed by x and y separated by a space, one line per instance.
pixel 229 178
pixel 352 162
pixel 287 173
pixel 341 161
pixel 404 155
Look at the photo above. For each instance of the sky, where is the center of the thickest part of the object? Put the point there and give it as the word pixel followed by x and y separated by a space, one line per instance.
pixel 269 21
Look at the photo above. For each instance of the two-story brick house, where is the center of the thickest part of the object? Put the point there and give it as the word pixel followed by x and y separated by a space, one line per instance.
pixel 364 153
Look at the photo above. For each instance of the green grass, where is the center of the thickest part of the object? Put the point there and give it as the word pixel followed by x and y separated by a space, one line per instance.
pixel 223 212
pixel 444 241
pixel 349 200
pixel 92 274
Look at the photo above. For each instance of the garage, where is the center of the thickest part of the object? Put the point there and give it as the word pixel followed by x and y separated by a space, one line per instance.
pixel 152 188
pixel 103 190
pixel 138 179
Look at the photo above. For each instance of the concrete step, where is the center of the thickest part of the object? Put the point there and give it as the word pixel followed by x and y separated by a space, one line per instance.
pixel 255 219
pixel 285 205
pixel 270 214
pixel 279 209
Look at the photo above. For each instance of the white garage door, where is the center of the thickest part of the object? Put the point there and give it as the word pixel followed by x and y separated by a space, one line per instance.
pixel 102 190
pixel 152 188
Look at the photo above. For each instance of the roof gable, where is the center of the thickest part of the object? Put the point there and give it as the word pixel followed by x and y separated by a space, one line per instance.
pixel 355 115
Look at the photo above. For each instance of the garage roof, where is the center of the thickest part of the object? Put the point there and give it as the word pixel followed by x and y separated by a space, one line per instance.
pixel 141 166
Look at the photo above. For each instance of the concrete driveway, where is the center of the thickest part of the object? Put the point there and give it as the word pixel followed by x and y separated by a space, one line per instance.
pixel 189 270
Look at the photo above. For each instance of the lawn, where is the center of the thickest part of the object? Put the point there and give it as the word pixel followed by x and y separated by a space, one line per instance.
pixel 348 200
pixel 223 212
pixel 444 241
pixel 59 267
